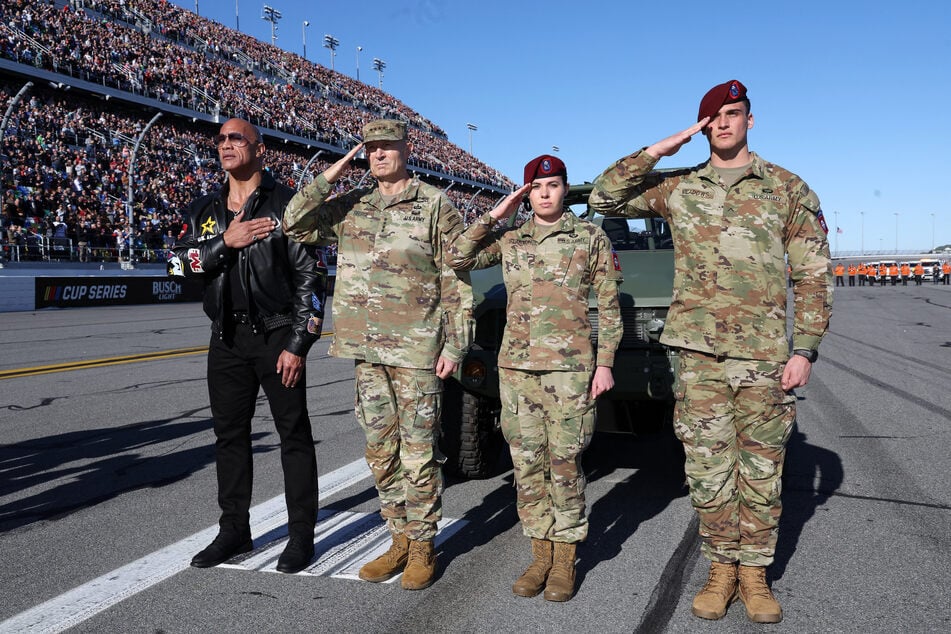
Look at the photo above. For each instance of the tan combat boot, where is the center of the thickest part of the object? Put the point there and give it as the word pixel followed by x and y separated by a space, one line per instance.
pixel 533 579
pixel 561 578
pixel 718 593
pixel 420 567
pixel 389 564
pixel 761 605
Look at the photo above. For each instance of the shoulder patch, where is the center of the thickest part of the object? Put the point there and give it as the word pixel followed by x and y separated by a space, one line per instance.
pixel 809 199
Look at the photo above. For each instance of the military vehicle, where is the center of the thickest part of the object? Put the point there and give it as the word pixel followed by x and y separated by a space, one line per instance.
pixel 642 398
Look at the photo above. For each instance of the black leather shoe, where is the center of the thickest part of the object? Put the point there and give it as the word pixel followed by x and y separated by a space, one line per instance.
pixel 297 555
pixel 224 547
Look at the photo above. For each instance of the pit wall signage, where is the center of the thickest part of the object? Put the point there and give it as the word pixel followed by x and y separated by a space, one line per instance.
pixel 66 292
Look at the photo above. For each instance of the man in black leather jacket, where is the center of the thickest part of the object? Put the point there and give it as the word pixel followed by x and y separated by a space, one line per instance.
pixel 265 296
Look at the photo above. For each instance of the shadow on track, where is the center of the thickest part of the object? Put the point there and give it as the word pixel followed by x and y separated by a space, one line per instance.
pixel 811 475
pixel 84 468
pixel 658 479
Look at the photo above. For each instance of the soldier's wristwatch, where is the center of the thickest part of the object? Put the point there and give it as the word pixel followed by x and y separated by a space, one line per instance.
pixel 812 355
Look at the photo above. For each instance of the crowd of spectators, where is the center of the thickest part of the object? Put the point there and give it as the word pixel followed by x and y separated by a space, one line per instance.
pixel 65 177
pixel 158 50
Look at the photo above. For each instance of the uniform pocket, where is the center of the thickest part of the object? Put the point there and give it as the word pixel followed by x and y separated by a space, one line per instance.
pixel 509 418
pixel 428 401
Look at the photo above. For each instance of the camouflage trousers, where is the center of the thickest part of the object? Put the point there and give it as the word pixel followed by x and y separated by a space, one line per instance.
pixel 734 421
pixel 398 409
pixel 548 419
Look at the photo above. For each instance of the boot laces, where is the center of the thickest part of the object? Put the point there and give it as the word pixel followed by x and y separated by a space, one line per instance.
pixel 564 557
pixel 719 580
pixel 417 555
pixel 756 586
pixel 393 554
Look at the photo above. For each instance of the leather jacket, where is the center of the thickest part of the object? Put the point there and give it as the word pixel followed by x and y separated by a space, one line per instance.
pixel 284 280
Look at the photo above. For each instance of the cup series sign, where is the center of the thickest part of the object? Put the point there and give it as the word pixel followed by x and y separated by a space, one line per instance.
pixel 112 291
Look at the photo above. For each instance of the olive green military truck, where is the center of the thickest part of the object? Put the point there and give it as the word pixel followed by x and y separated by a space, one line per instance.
pixel 642 397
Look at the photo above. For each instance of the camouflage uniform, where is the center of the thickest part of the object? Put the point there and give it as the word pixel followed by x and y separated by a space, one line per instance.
pixel 397 308
pixel 728 317
pixel 546 359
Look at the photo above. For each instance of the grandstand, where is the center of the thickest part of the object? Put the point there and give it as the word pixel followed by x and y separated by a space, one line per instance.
pixel 102 71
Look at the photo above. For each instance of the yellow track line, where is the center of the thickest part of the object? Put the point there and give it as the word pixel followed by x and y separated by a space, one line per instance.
pixel 98 363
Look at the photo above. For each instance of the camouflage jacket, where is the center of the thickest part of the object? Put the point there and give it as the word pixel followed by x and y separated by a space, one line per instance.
pixel 548 282
pixel 396 300
pixel 729 295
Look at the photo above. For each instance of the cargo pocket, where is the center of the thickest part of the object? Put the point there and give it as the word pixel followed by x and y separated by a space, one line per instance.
pixel 778 417
pixel 576 422
pixel 428 401
pixel 509 416
pixel 682 430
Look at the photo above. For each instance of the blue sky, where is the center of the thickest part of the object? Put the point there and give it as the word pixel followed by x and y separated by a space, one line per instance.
pixel 849 95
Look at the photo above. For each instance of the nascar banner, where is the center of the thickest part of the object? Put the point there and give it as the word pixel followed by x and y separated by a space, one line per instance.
pixel 114 291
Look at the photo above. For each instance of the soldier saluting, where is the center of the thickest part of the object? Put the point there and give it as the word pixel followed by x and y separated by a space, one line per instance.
pixel 734 219
pixel 549 373
pixel 404 316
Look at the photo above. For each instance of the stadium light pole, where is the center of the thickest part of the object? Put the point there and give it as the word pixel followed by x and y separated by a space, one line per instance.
pixel 332 43
pixel 236 25
pixel 862 248
pixel 378 66
pixel 359 48
pixel 13 103
pixel 932 233
pixel 272 15
pixel 836 214
pixel 472 128
pixel 896 233
pixel 129 199
pixel 303 36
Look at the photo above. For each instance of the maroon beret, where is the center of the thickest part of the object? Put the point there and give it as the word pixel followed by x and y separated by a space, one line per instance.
pixel 544 166
pixel 729 92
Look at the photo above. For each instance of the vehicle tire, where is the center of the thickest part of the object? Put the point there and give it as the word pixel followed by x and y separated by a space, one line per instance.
pixel 471 438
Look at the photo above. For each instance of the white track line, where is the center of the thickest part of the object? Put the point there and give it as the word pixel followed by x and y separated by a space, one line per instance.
pixel 79 604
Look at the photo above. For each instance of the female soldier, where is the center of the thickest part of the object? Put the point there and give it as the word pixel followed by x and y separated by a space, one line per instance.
pixel 549 373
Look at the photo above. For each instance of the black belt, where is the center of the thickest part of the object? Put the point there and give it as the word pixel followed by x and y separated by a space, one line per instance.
pixel 240 317
pixel 269 322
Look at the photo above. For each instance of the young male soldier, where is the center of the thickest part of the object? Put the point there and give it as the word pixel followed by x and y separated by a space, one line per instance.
pixel 264 295
pixel 404 316
pixel 734 219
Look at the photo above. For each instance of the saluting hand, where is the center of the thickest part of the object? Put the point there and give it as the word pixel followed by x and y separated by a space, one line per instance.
pixel 337 170
pixel 672 144
pixel 510 203
pixel 240 234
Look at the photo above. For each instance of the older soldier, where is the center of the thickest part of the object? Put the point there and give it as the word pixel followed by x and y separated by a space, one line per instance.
pixel 404 316
pixel 264 295
pixel 549 374
pixel 734 219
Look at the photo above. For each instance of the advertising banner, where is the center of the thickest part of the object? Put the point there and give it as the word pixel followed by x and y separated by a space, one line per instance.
pixel 114 291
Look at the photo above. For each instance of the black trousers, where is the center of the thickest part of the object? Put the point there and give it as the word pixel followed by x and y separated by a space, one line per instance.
pixel 236 371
